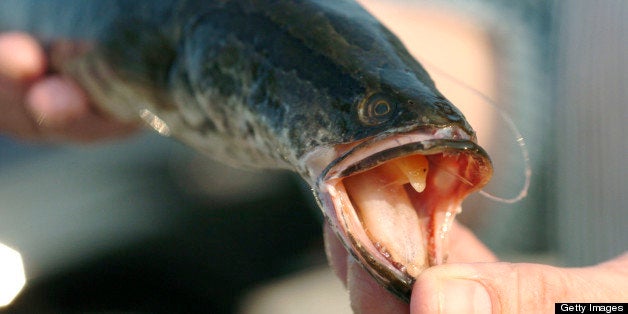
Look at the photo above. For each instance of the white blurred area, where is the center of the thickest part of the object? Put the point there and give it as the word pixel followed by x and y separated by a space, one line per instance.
pixel 12 276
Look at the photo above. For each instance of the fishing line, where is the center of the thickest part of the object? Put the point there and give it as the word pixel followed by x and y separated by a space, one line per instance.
pixel 511 125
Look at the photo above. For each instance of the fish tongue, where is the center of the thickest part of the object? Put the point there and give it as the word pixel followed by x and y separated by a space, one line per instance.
pixel 380 197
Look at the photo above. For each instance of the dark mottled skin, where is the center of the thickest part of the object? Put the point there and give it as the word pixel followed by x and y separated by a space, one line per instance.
pixel 294 70
pixel 256 83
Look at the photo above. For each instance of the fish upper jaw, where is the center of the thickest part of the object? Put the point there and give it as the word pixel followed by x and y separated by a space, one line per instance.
pixel 392 198
pixel 312 165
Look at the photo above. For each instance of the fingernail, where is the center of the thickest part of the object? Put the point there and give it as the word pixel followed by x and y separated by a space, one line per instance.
pixel 464 296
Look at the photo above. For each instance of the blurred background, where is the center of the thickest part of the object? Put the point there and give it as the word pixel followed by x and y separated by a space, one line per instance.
pixel 145 224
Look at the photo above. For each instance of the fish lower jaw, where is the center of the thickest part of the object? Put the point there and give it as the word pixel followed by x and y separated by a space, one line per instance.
pixel 395 218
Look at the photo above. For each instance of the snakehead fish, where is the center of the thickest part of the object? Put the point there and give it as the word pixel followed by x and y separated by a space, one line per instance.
pixel 316 86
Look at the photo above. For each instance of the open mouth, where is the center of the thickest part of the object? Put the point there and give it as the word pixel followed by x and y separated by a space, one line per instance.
pixel 393 200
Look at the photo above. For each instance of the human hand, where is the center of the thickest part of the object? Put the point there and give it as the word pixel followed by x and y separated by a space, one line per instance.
pixel 37 105
pixel 474 281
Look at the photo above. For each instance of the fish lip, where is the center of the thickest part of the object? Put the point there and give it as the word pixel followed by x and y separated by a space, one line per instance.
pixel 428 140
pixel 369 154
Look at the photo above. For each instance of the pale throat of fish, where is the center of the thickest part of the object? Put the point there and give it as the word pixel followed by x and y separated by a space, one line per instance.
pixel 405 208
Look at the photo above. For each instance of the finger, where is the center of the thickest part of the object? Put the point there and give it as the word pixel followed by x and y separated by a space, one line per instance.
pixel 512 288
pixel 26 65
pixel 90 128
pixel 63 112
pixel 15 120
pixel 336 253
pixel 465 247
pixel 367 296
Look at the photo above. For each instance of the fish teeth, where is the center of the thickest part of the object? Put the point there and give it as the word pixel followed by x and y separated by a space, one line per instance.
pixel 415 169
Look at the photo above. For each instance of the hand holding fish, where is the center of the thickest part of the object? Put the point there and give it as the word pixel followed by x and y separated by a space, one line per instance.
pixel 37 105
pixel 475 282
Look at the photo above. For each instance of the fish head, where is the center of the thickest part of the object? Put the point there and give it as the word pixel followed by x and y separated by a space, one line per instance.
pixel 326 90
pixel 392 194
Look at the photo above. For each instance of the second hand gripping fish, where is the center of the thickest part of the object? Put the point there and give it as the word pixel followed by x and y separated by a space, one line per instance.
pixel 316 86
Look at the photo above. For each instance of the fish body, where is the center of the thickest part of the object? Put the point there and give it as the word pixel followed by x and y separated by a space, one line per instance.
pixel 318 87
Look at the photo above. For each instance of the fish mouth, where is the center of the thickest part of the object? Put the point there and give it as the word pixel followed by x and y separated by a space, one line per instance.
pixel 393 198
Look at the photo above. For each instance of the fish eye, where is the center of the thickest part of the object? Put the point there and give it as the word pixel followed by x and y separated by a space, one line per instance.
pixel 381 108
pixel 375 109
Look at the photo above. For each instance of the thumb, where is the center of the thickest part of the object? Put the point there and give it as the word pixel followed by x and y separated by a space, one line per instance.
pixel 514 288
